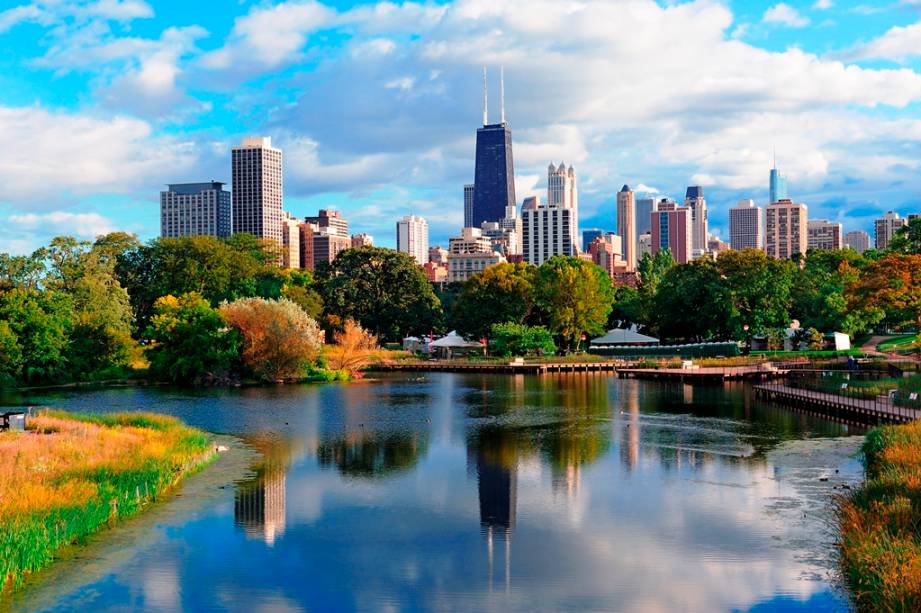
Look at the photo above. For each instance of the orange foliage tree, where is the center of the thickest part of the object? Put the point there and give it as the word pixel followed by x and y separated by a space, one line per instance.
pixel 279 339
pixel 353 350
pixel 892 284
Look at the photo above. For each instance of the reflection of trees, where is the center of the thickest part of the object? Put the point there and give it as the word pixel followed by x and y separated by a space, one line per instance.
pixel 373 455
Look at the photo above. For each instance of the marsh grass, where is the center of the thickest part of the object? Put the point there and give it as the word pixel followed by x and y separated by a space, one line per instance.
pixel 71 475
pixel 880 523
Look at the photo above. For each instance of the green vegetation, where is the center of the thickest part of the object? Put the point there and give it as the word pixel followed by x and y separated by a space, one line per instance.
pixel 511 339
pixel 898 342
pixel 70 476
pixel 880 523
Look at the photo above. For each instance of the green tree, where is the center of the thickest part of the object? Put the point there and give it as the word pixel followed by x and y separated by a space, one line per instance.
pixel 693 303
pixel 38 321
pixel 893 286
pixel 907 239
pixel 818 298
pixel 501 293
pixel 651 269
pixel 576 295
pixel 627 309
pixel 759 290
pixel 383 290
pixel 521 340
pixel 192 344
pixel 10 355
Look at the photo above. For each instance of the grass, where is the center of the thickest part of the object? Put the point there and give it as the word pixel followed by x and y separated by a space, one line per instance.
pixel 880 523
pixel 898 342
pixel 71 475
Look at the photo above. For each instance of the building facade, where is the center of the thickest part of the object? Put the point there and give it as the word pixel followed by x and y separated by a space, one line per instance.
pixel 700 224
pixel 413 238
pixel 858 240
pixel 746 226
pixel 548 231
pixel 785 229
pixel 256 171
pixel 291 242
pixel 362 240
pixel 561 187
pixel 823 234
pixel 777 186
pixel 195 209
pixel 885 228
pixel 468 205
pixel 626 224
pixel 671 229
pixel 330 221
pixel 494 174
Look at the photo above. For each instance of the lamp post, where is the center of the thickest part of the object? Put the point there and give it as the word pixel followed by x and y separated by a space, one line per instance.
pixel 748 340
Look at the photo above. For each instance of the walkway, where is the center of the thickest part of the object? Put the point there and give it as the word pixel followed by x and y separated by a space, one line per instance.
pixel 876 411
pixel 757 372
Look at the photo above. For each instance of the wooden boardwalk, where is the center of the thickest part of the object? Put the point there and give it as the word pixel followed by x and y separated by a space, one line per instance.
pixel 498 367
pixel 759 372
pixel 877 411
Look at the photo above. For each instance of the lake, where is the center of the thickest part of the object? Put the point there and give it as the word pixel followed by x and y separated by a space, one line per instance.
pixel 475 493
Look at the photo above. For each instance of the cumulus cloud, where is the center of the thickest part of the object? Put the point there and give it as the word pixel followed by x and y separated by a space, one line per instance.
pixel 898 44
pixel 784 14
pixel 822 5
pixel 81 225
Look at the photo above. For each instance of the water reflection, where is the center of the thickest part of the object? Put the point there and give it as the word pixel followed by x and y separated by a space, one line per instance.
pixel 484 493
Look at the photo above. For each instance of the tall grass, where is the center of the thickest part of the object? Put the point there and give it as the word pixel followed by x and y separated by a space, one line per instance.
pixel 880 523
pixel 70 475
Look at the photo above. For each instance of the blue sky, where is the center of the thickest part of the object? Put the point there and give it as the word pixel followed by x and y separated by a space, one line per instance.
pixel 376 104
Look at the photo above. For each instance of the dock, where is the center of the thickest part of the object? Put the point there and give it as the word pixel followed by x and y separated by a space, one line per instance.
pixel 536 368
pixel 875 411
pixel 757 372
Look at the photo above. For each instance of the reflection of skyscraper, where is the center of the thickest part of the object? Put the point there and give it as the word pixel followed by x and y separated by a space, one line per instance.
pixel 259 505
pixel 498 489
pixel 630 432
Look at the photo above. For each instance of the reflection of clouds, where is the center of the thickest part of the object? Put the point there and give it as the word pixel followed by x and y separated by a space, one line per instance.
pixel 161 588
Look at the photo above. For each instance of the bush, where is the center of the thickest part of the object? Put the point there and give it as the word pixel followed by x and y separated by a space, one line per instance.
pixel 353 349
pixel 279 339
pixel 510 339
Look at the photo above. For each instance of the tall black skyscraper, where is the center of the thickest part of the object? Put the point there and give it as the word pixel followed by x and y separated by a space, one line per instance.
pixel 494 178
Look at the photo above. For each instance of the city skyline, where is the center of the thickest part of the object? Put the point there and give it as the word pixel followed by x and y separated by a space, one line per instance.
pixel 376 115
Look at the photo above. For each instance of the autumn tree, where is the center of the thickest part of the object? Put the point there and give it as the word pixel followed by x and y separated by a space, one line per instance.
pixel 279 339
pixel 353 349
pixel 576 295
pixel 893 286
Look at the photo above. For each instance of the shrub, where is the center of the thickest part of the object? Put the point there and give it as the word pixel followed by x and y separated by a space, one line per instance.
pixel 353 349
pixel 279 339
pixel 521 340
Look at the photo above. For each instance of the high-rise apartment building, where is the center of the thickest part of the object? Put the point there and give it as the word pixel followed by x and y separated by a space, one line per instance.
pixel 626 224
pixel 858 240
pixel 746 226
pixel 194 209
pixel 494 172
pixel 306 232
pixel 605 252
pixel 823 234
pixel 671 229
pixel 330 221
pixel 257 188
pixel 700 229
pixel 291 242
pixel 470 253
pixel 413 238
pixel 777 186
pixel 548 231
pixel 362 240
pixel 468 205
pixel 785 229
pixel 330 233
pixel 885 228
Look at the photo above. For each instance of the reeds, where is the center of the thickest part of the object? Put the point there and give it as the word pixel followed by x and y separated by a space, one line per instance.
pixel 70 475
pixel 881 523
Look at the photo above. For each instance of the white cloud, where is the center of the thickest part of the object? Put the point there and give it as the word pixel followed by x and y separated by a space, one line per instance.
pixel 822 5
pixel 19 14
pixel 784 14
pixel 897 44
pixel 81 225
pixel 120 10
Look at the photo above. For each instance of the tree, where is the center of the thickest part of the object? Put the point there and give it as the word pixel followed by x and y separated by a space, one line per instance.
pixel 353 348
pixel 759 290
pixel 907 239
pixel 10 355
pixel 501 293
pixel 192 344
pixel 384 290
pixel 627 309
pixel 693 303
pixel 518 339
pixel 817 294
pixel 38 321
pixel 650 271
pixel 279 339
pixel 576 295
pixel 893 286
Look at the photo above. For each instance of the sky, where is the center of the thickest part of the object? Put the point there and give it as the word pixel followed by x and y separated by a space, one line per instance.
pixel 376 105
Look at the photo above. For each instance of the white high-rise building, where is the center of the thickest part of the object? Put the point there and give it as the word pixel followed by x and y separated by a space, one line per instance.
pixel 561 187
pixel 626 225
pixel 858 240
pixel 885 228
pixel 291 242
pixel 746 226
pixel 548 231
pixel 257 188
pixel 413 238
pixel 700 231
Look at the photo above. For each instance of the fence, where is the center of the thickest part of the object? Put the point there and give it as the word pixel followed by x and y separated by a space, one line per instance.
pixel 874 391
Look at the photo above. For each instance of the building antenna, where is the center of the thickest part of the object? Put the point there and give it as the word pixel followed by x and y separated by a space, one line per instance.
pixel 485 100
pixel 775 157
pixel 502 91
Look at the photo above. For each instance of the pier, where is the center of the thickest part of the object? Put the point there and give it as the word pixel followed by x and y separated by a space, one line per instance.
pixel 757 372
pixel 873 411
pixel 535 368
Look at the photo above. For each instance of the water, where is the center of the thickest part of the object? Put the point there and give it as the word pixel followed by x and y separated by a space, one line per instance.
pixel 475 492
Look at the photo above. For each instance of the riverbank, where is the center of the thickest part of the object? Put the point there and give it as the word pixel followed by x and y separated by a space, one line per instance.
pixel 880 523
pixel 69 476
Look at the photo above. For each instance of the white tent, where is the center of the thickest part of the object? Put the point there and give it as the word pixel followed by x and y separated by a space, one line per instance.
pixel 453 341
pixel 624 336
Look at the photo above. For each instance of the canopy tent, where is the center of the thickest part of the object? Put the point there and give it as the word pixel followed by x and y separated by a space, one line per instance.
pixel 453 342
pixel 624 336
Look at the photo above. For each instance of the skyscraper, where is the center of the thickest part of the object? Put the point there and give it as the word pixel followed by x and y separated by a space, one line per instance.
pixel 644 207
pixel 561 187
pixel 191 209
pixel 671 229
pixel 494 176
pixel 413 238
pixel 548 231
pixel 626 225
pixel 785 229
pixel 823 234
pixel 257 188
pixel 291 242
pixel 746 229
pixel 885 228
pixel 468 205
pixel 777 186
pixel 700 231
pixel 858 240
pixel 330 236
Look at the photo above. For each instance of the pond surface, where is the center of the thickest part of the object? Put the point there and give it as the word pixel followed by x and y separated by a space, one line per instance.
pixel 475 493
